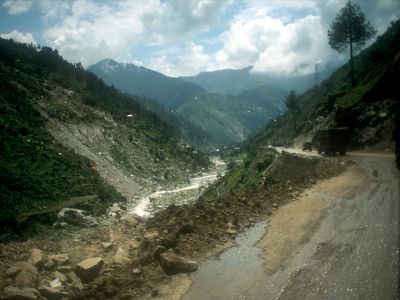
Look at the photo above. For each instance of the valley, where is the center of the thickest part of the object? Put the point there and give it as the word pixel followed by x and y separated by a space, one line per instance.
pixel 120 182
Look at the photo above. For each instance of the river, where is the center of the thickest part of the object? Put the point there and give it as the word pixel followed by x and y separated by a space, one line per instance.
pixel 185 194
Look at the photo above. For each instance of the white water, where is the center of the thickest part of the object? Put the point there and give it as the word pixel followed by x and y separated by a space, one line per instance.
pixel 141 209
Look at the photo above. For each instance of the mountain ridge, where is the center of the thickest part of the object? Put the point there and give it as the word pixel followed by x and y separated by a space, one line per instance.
pixel 137 80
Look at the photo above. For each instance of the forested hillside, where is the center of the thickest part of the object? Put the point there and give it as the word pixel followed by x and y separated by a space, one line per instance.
pixel 232 118
pixel 65 134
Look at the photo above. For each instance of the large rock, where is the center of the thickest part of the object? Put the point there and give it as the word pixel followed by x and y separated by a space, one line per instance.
pixel 59 259
pixel 76 286
pixel 121 257
pixel 25 274
pixel 25 279
pixel 60 276
pixel 13 271
pixel 37 258
pixel 88 269
pixel 174 264
pixel 76 217
pixel 51 294
pixel 14 293
pixel 132 220
pixel 27 267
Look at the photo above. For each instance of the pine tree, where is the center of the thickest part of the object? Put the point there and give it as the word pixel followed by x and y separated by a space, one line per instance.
pixel 350 29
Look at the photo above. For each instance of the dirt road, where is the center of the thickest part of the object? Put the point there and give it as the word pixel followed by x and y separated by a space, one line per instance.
pixel 340 240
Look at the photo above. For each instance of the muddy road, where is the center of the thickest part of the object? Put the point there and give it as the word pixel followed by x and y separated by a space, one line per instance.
pixel 339 240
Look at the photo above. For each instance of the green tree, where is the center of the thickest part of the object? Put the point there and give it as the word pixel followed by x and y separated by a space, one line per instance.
pixel 350 29
pixel 292 105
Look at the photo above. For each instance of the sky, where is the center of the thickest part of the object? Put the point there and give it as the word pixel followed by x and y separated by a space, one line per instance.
pixel 185 37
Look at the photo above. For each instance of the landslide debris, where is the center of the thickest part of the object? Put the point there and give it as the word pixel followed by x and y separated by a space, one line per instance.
pixel 131 260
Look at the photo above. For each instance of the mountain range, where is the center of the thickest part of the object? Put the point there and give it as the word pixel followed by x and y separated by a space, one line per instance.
pixel 223 107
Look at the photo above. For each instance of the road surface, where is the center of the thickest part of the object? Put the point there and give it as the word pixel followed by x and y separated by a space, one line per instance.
pixel 339 241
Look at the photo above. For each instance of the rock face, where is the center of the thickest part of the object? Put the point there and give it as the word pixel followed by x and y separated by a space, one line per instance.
pixel 76 217
pixel 174 264
pixel 13 293
pixel 88 269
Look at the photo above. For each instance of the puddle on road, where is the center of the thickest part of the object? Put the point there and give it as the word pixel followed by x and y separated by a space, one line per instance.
pixel 232 273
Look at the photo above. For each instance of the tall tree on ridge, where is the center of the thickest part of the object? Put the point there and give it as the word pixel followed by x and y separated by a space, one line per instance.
pixel 350 29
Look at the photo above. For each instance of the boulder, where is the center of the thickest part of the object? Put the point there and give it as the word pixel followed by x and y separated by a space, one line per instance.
pixel 88 269
pixel 13 271
pixel 64 269
pixel 131 220
pixel 170 240
pixel 121 257
pixel 107 245
pixel 49 265
pixel 60 276
pixel 14 293
pixel 56 283
pixel 151 235
pixel 37 258
pixel 174 264
pixel 27 267
pixel 51 294
pixel 25 279
pixel 76 285
pixel 231 231
pixel 59 259
pixel 76 217
pixel 27 274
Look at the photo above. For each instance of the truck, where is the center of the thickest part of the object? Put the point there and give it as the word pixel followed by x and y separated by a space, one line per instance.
pixel 331 141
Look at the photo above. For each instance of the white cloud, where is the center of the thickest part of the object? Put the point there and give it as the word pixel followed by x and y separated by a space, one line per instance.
pixel 52 9
pixel 185 61
pixel 15 7
pixel 95 30
pixel 273 46
pixel 19 37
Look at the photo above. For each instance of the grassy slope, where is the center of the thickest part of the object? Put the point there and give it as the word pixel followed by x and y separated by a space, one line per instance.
pixel 335 103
